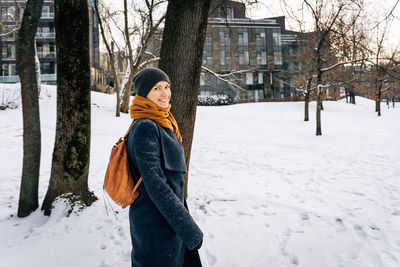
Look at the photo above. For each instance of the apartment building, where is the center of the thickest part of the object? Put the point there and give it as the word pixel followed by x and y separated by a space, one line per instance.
pixel 11 16
pixel 259 55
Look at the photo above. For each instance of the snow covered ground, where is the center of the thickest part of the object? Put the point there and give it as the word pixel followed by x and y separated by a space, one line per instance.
pixel 264 189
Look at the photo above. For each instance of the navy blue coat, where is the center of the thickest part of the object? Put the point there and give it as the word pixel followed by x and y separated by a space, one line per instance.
pixel 162 230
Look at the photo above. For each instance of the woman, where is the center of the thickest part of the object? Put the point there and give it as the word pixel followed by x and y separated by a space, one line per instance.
pixel 162 231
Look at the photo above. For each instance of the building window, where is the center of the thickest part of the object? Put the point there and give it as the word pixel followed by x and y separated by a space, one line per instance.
pixel 260 78
pixel 281 88
pixel 249 78
pixel 120 64
pixel 224 38
pixel 260 38
pixel 243 37
pixel 202 82
pixel 4 52
pixel 208 51
pixel 230 13
pixel 276 36
pixel 45 68
pixel 244 58
pixel 39 50
pixel 21 12
pixel 8 51
pixel 277 58
pixel 4 13
pixel 13 69
pixel 4 69
pixel 262 58
pixel 225 47
pixel 223 58
pixel 45 11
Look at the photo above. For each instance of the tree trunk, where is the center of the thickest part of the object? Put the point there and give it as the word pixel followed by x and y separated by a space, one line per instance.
pixel 127 91
pixel 181 58
pixel 306 106
pixel 379 101
pixel 28 197
pixel 319 102
pixel 71 155
pixel 116 81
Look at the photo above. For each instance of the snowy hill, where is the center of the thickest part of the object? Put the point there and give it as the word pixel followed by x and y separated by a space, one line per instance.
pixel 264 189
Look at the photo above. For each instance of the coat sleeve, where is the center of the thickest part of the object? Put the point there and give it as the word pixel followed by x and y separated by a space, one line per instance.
pixel 147 152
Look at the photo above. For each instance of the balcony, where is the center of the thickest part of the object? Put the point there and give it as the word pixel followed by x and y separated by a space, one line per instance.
pixel 46 54
pixel 45 35
pixel 47 16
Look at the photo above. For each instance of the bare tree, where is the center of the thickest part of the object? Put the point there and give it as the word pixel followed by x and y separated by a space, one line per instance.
pixel 144 32
pixel 326 15
pixel 28 198
pixel 352 44
pixel 71 155
pixel 110 50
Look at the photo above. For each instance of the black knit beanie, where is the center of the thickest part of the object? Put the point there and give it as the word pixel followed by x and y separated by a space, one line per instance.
pixel 147 78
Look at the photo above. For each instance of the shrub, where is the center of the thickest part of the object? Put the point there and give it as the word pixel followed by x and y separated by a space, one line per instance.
pixel 10 96
pixel 214 100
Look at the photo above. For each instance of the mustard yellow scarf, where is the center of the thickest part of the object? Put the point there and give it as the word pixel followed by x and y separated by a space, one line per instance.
pixel 143 108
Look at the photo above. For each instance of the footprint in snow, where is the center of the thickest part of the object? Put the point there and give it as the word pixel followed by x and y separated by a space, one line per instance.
pixel 210 258
pixel 304 216
pixel 288 232
pixel 359 231
pixel 398 242
pixel 243 213
pixel 294 260
pixel 103 264
pixel 396 213
pixel 374 227
pixel 339 225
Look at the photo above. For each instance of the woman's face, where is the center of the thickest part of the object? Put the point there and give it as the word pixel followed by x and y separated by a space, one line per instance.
pixel 160 94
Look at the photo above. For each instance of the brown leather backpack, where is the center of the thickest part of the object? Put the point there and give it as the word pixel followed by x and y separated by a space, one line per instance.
pixel 118 182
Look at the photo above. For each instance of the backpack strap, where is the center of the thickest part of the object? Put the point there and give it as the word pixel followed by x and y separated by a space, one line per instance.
pixel 125 136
